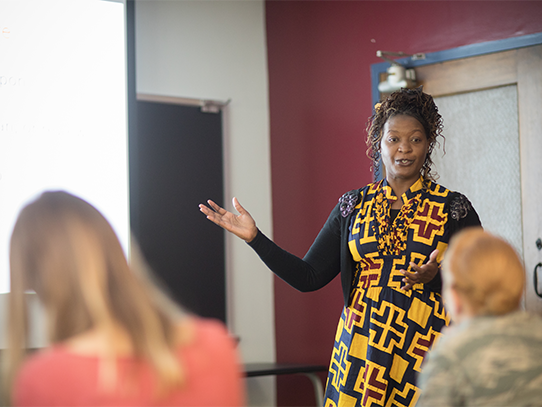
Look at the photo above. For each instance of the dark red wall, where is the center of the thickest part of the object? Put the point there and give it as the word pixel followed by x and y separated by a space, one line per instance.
pixel 319 55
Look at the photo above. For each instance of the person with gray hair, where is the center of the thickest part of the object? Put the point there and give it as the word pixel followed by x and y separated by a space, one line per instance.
pixel 491 354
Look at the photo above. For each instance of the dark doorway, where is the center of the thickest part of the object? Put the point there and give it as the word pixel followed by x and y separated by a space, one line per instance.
pixel 176 163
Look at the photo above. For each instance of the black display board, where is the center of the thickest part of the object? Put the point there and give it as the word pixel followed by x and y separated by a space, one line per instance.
pixel 175 164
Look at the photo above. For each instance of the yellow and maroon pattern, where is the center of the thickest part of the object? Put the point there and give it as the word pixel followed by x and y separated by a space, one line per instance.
pixel 384 332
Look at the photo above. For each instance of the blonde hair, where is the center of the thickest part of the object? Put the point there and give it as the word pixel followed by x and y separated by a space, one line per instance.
pixel 65 250
pixel 485 271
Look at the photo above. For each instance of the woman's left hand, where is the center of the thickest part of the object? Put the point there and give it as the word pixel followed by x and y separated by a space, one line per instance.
pixel 422 274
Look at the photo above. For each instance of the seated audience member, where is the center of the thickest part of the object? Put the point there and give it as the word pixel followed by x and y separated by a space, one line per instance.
pixel 492 353
pixel 115 339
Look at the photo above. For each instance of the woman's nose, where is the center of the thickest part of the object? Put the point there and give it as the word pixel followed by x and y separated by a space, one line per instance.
pixel 404 146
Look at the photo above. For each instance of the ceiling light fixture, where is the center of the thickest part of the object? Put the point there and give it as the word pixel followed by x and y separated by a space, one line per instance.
pixel 399 76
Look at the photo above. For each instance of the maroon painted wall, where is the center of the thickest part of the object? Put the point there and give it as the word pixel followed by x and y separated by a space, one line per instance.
pixel 319 55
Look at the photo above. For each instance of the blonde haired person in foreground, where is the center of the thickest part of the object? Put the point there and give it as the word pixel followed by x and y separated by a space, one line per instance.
pixel 492 354
pixel 115 340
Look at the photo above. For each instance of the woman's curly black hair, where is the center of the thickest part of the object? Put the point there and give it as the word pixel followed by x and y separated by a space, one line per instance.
pixel 412 102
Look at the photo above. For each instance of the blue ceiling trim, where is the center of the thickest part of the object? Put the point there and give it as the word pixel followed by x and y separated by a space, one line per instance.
pixel 454 53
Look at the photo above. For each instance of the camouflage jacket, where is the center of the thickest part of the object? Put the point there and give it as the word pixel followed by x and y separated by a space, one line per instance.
pixel 485 361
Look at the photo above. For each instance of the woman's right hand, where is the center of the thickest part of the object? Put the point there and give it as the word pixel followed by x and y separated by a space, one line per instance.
pixel 242 225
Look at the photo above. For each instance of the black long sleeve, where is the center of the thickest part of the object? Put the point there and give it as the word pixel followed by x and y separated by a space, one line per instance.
pixel 317 268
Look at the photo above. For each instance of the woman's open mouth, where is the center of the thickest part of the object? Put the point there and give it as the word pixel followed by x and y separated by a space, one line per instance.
pixel 404 161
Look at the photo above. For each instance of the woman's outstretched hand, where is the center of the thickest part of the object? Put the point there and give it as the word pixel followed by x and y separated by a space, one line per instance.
pixel 422 274
pixel 242 225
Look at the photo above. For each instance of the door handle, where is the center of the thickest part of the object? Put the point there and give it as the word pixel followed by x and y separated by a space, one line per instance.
pixel 535 277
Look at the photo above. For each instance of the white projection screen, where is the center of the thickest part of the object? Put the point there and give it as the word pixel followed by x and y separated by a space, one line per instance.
pixel 63 108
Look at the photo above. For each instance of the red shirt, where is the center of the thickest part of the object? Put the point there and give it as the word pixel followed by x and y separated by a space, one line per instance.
pixel 57 377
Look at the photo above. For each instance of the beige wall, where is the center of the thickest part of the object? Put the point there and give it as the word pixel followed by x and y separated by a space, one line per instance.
pixel 217 50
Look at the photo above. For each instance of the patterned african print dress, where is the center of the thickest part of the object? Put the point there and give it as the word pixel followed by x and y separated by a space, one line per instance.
pixel 384 332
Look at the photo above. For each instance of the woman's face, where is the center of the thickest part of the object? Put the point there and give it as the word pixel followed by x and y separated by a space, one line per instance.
pixel 403 147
